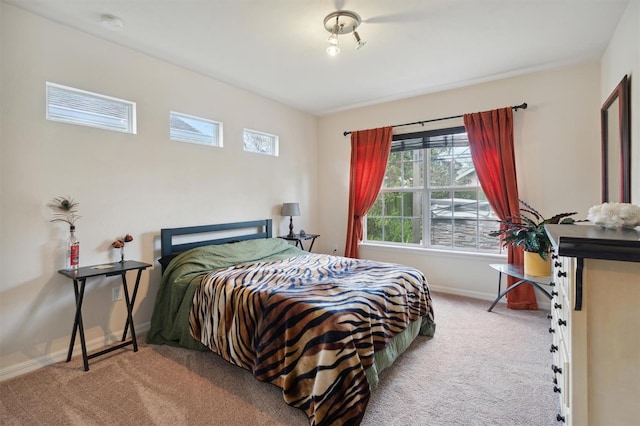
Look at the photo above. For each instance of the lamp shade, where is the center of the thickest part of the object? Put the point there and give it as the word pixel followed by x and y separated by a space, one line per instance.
pixel 290 209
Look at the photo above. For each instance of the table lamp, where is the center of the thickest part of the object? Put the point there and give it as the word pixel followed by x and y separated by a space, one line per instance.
pixel 290 209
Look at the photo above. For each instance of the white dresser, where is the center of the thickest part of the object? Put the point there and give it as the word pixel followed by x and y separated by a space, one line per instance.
pixel 595 324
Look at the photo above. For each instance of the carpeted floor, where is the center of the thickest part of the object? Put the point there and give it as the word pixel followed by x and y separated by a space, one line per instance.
pixel 481 368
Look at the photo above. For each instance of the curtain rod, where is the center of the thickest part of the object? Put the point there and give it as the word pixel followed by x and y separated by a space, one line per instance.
pixel 515 108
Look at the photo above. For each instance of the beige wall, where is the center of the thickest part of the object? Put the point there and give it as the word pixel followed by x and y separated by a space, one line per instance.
pixel 125 183
pixel 140 183
pixel 557 154
pixel 623 57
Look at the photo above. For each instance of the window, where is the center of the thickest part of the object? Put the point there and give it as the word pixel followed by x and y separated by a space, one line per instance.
pixel 186 128
pixel 431 197
pixel 76 106
pixel 262 143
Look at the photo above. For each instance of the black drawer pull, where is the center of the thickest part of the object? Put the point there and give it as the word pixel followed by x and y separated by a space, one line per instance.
pixel 557 389
pixel 552 330
pixel 560 418
pixel 557 264
pixel 554 293
pixel 549 316
pixel 553 348
pixel 552 284
pixel 556 369
pixel 562 274
pixel 557 305
pixel 554 256
pixel 562 322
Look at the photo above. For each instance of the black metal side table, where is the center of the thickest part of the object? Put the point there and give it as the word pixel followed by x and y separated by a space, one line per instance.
pixel 79 277
pixel 300 238
pixel 517 271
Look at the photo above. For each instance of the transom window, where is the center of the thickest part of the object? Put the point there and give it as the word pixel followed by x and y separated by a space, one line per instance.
pixel 75 106
pixel 260 142
pixel 431 196
pixel 187 128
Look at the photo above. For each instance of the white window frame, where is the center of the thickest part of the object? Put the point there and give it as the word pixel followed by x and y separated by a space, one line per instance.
pixel 425 188
pixel 216 140
pixel 274 146
pixel 130 126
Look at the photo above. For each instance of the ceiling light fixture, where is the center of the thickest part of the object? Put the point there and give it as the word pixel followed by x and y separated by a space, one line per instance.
pixel 339 23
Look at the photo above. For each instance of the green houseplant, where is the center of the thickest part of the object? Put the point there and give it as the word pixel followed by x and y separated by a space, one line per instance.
pixel 527 230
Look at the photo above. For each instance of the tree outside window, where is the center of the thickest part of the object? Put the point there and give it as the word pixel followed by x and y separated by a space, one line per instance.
pixel 432 173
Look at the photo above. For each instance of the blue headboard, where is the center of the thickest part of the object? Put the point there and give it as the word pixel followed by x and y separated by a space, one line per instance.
pixel 259 229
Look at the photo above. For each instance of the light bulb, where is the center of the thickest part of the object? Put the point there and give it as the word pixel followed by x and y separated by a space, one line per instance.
pixel 333 50
pixel 359 43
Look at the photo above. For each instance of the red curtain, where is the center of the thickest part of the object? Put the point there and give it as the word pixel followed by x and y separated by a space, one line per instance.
pixel 491 141
pixel 369 154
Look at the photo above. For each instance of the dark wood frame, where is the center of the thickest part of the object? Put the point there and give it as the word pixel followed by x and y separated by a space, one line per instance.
pixel 261 229
pixel 620 94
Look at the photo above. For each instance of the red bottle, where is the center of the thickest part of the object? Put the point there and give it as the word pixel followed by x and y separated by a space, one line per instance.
pixel 73 249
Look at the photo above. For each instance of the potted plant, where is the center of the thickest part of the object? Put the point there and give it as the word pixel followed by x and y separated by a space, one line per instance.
pixel 527 230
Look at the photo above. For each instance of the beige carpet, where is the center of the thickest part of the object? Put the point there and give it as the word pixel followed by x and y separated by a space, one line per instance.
pixel 481 368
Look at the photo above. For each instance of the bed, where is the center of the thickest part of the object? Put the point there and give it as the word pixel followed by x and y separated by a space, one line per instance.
pixel 319 327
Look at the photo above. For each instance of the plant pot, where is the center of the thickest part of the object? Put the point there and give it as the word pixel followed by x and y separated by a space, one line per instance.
pixel 535 265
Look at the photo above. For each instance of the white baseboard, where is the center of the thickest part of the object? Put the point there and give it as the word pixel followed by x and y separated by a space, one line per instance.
pixel 466 293
pixel 42 361
pixel 543 302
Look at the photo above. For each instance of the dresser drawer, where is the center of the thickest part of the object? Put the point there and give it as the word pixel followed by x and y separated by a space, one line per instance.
pixel 563 275
pixel 564 384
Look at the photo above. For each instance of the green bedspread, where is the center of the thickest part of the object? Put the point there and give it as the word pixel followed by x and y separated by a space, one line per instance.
pixel 170 320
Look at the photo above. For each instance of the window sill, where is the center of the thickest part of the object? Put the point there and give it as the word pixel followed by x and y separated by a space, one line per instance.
pixel 500 257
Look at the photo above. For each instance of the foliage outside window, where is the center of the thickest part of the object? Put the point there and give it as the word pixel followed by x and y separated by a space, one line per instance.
pixel 260 142
pixel 431 197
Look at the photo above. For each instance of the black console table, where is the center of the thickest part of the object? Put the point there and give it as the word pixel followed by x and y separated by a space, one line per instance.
pixel 79 277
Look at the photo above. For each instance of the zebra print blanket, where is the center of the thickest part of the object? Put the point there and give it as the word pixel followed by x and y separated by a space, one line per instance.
pixel 310 325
